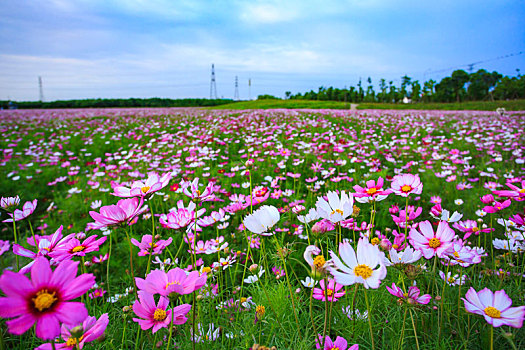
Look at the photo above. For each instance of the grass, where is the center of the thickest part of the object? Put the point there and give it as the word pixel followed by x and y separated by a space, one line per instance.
pixel 513 105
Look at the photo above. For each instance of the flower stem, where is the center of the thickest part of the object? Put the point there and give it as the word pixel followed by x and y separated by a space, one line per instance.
pixel 370 320
pixel 171 330
pixel 414 326
pixel 491 338
pixel 107 265
pixel 16 242
pixel 131 264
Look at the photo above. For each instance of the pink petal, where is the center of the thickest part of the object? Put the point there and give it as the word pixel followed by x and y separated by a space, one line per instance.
pixel 47 326
pixel 71 313
pixel 21 324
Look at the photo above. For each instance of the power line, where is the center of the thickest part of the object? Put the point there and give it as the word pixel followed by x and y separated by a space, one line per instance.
pixel 213 85
pixel 41 89
pixel 236 95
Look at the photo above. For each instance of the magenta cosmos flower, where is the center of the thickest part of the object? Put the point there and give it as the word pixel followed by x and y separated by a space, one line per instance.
pixel 514 191
pixel 429 243
pixel 152 184
pixel 405 184
pixel 157 316
pixel 470 227
pixel 497 206
pixel 330 291
pixel 411 297
pixel 90 330
pixel 181 216
pixel 27 209
pixel 339 343
pixel 73 247
pixel 45 299
pixel 8 203
pixel 175 281
pixel 495 307
pixel 123 212
pixel 146 245
pixel 373 191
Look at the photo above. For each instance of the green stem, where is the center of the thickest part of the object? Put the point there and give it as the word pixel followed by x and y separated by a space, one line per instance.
pixel 370 320
pixel 16 242
pixel 171 330
pixel 131 264
pixel 414 326
pixel 107 265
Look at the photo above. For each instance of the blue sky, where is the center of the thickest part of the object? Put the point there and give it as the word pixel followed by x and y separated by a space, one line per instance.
pixel 163 48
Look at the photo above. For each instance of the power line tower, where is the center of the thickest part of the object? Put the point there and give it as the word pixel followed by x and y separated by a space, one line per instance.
pixel 236 95
pixel 213 86
pixel 249 88
pixel 41 89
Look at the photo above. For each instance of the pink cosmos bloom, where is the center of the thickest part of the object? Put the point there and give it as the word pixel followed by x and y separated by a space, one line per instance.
pixel 430 243
pixel 411 297
pixel 487 199
pixel 340 343
pixel 45 299
pixel 495 307
pixel 157 316
pixel 497 206
pixel 372 192
pixel 152 184
pixel 100 259
pixel 330 291
pixel 174 281
pixel 27 209
pixel 123 212
pixel 97 293
pixel 90 330
pixel 181 217
pixel 147 246
pixel 259 195
pixel 73 247
pixel 4 246
pixel 191 189
pixel 435 200
pixel 366 267
pixel 405 217
pixel 470 227
pixel 323 226
pixel 8 203
pixel 405 184
pixel 515 191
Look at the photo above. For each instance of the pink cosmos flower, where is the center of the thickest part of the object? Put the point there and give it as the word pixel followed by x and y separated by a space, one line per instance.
pixel 495 307
pixel 123 212
pixel 435 200
pixel 97 293
pixel 181 217
pixel 405 217
pixel 27 209
pixel 8 203
pixel 191 189
pixel 157 316
pixel 4 246
pixel 470 227
pixel 174 281
pixel 372 192
pixel 152 184
pixel 497 206
pixel 45 299
pixel 515 191
pixel 430 243
pixel 330 291
pixel 147 246
pixel 73 247
pixel 411 297
pixel 340 343
pixel 487 199
pixel 90 330
pixel 405 184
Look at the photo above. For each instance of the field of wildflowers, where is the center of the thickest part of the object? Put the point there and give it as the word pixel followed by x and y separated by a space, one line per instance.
pixel 285 229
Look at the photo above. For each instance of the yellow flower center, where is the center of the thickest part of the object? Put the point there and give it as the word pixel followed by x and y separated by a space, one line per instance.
pixel 337 211
pixel 522 190
pixel 371 190
pixel 356 210
pixel 451 280
pixel 334 348
pixel 492 312
pixel 260 310
pixel 434 243
pixel 78 248
pixel 159 315
pixel 319 261
pixel 406 188
pixel 456 254
pixel 243 300
pixel 44 300
pixel 395 246
pixel 73 341
pixel 172 283
pixel 145 189
pixel 328 292
pixel 363 271
pixel 206 269
pixel 475 229
pixel 375 241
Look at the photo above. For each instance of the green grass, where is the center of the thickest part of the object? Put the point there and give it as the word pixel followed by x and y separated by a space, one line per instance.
pixel 514 105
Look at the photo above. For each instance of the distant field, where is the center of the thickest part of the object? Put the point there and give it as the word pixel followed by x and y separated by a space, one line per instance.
pixel 515 105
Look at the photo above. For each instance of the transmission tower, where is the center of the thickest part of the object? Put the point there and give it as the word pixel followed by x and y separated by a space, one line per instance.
pixel 236 95
pixel 250 89
pixel 213 85
pixel 41 89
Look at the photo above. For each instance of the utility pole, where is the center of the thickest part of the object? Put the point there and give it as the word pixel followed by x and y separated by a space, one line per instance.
pixel 213 85
pixel 41 89
pixel 236 95
pixel 249 88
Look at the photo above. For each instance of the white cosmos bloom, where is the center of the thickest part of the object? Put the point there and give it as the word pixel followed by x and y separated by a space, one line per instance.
pixel 366 267
pixel 407 256
pixel 311 216
pixel 445 216
pixel 262 220
pixel 309 282
pixel 336 209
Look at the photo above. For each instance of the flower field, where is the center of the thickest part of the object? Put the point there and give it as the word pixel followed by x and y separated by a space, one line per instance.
pixel 286 229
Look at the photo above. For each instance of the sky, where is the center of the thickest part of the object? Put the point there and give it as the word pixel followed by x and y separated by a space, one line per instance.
pixel 165 48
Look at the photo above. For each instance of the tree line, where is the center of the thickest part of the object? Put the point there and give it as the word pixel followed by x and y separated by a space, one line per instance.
pixel 117 102
pixel 459 86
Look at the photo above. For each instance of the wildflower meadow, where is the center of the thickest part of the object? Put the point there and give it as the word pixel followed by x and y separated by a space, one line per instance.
pixel 173 228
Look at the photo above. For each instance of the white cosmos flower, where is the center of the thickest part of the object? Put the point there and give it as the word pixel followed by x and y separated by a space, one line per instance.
pixel 366 267
pixel 311 216
pixel 309 282
pixel 407 256
pixel 262 220
pixel 336 209
pixel 445 216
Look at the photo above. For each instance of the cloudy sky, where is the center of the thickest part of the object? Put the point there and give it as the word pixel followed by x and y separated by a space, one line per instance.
pixel 165 48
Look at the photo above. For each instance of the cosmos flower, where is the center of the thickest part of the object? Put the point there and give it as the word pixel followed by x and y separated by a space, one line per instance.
pixel 73 247
pixel 339 343
pixel 514 191
pixel 122 213
pixel 453 280
pixel 8 203
pixel 335 209
pixel 405 184
pixel 408 256
pixel 153 183
pixel 262 220
pixel 470 227
pixel 27 209
pixel 147 246
pixel 157 316
pixel 411 297
pixel 45 299
pixel 495 307
pixel 181 216
pixel 429 243
pixel 373 191
pixel 317 264
pixel 174 281
pixel 497 206
pixel 332 291
pixel 4 246
pixel 191 189
pixel 366 267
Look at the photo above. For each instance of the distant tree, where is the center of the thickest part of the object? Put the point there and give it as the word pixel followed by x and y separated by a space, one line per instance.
pixel 481 84
pixel 288 94
pixel 458 79
pixel 428 90
pixel 415 94
pixel 405 82
pixel 267 97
